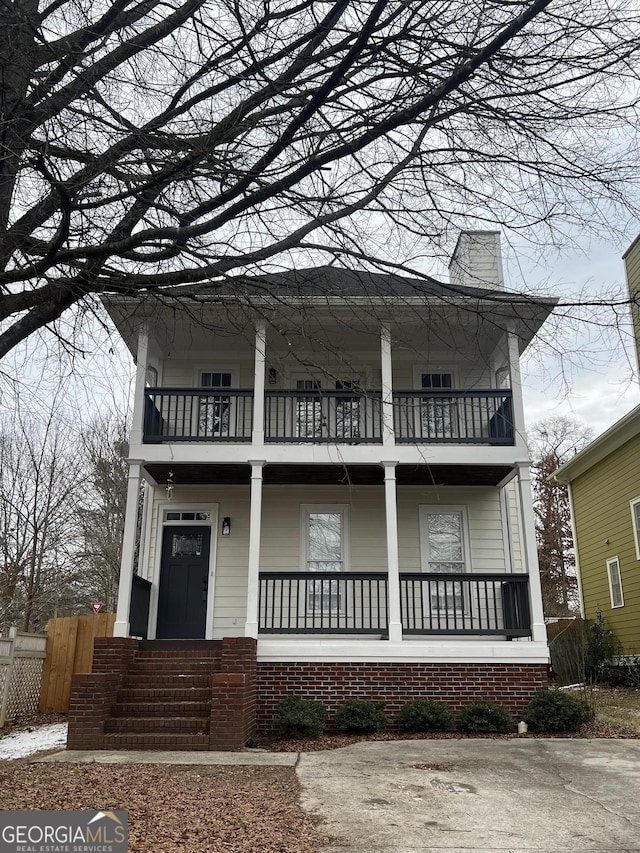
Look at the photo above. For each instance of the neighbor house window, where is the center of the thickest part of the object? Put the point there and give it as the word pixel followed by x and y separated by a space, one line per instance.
pixel 635 521
pixel 324 549
pixel 615 582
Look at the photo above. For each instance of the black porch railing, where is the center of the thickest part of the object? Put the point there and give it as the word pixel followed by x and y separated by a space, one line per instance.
pixel 323 416
pixel 322 603
pixel 197 414
pixel 356 603
pixel 480 417
pixel 489 604
pixel 328 416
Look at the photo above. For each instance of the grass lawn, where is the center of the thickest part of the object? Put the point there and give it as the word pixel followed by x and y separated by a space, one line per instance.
pixel 617 709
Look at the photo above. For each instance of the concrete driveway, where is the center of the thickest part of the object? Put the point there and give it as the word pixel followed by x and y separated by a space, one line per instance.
pixel 446 796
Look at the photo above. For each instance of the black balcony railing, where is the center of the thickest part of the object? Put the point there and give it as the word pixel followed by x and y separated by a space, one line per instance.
pixel 328 416
pixel 481 417
pixel 319 416
pixel 197 414
pixel 322 603
pixel 487 604
pixel 356 603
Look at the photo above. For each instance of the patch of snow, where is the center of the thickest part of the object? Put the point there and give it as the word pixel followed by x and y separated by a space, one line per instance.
pixel 20 744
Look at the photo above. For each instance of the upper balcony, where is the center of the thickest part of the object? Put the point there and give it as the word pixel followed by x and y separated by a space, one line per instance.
pixel 314 416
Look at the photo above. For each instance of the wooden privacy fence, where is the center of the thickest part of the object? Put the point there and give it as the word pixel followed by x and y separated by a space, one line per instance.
pixel 69 650
pixel 21 657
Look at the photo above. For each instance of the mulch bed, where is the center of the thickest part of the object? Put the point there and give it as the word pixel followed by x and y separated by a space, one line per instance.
pixel 275 743
pixel 175 809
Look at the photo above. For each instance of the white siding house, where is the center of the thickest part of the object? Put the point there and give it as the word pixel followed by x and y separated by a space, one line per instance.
pixel 335 466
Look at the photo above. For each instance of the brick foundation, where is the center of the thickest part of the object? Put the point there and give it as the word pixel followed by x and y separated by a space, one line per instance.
pixel 93 694
pixel 511 685
pixel 165 695
pixel 220 696
pixel 233 695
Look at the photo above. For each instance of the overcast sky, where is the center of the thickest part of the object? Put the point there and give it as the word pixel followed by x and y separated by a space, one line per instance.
pixel 597 383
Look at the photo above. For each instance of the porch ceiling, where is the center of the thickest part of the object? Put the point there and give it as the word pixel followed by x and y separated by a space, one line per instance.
pixel 313 475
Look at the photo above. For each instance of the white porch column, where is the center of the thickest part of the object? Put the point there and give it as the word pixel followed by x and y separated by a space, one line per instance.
pixel 141 379
pixel 121 627
pixel 530 552
pixel 516 389
pixel 388 434
pixel 253 569
pixel 258 382
pixel 393 563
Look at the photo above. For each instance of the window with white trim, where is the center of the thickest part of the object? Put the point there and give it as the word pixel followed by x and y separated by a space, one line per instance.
pixel 615 582
pixel 445 547
pixel 324 550
pixel 635 522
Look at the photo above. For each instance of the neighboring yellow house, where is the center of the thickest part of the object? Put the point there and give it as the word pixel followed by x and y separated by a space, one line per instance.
pixel 632 267
pixel 604 490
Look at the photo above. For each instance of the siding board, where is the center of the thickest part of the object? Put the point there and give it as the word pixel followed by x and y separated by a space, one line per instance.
pixel 603 522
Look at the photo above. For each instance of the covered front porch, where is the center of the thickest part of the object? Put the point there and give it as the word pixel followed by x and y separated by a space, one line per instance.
pixel 291 554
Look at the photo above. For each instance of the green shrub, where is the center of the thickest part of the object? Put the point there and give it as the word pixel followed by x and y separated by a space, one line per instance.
pixel 556 711
pixel 360 716
pixel 300 718
pixel 425 715
pixel 602 645
pixel 485 717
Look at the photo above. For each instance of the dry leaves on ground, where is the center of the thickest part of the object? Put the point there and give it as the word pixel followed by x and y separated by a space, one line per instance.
pixel 175 809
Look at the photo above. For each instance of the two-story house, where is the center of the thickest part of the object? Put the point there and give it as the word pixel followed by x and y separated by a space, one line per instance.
pixel 337 503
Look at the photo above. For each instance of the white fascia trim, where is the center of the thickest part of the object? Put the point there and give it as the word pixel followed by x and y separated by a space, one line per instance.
pixel 604 445
pixel 383 651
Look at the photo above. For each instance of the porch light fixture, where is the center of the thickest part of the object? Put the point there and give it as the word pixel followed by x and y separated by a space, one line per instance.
pixel 273 376
pixel 170 485
pixel 226 526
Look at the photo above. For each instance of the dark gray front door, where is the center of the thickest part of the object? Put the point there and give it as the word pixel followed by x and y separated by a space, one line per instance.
pixel 184 574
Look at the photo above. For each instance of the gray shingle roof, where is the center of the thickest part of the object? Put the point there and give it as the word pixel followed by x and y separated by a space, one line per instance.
pixel 330 281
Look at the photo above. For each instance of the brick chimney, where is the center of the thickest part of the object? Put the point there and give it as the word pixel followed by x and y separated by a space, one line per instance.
pixel 477 260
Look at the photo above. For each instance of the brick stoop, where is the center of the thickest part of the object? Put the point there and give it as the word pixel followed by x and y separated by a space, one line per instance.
pixel 165 694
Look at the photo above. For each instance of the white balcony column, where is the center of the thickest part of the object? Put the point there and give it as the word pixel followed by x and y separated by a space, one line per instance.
pixel 258 382
pixel 530 552
pixel 121 627
pixel 253 568
pixel 388 434
pixel 142 355
pixel 513 350
pixel 393 563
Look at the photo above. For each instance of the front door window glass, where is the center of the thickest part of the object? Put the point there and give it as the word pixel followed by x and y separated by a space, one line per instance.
pixel 186 545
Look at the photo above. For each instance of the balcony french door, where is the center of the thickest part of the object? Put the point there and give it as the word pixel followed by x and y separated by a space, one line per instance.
pixel 214 409
pixel 322 414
